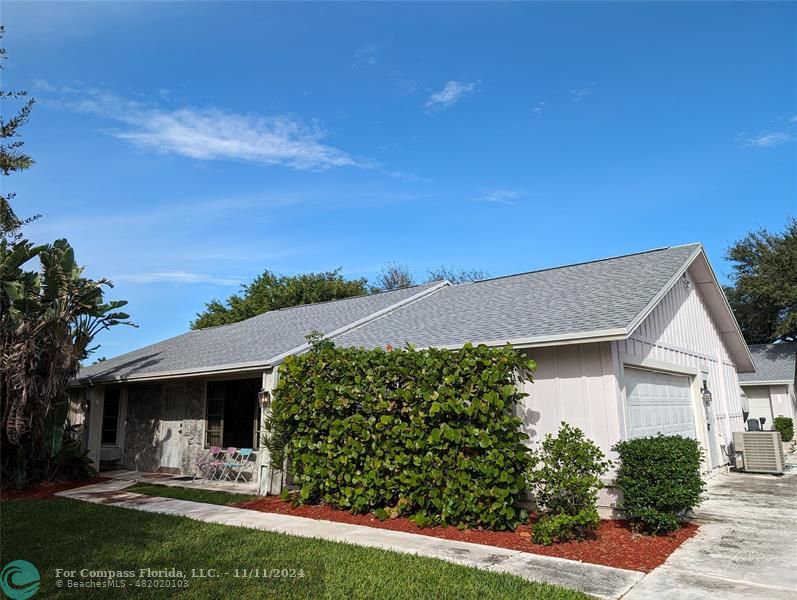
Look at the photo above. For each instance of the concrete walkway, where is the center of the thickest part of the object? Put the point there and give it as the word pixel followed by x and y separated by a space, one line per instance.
pixel 243 487
pixel 595 580
pixel 746 547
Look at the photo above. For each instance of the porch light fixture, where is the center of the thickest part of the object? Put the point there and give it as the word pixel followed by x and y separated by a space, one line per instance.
pixel 706 394
pixel 265 397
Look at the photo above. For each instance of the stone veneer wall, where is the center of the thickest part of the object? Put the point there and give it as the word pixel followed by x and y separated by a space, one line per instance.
pixel 142 425
pixel 193 442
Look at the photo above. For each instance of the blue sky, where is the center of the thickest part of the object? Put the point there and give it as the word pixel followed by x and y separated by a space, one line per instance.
pixel 184 147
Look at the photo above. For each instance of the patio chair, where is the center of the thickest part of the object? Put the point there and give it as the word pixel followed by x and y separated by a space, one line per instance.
pixel 208 463
pixel 244 465
pixel 229 462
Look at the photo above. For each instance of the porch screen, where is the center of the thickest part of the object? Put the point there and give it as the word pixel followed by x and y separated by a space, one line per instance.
pixel 110 417
pixel 232 417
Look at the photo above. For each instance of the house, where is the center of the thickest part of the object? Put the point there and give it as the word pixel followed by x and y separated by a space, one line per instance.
pixel 771 390
pixel 626 347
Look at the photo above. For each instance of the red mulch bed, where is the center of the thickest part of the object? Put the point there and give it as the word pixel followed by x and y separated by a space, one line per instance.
pixel 47 490
pixel 615 546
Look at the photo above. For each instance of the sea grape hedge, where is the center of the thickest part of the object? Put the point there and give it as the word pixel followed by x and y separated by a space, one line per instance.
pixel 430 434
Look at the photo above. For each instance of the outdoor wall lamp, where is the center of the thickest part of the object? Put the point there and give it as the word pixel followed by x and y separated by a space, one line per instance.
pixel 706 394
pixel 265 397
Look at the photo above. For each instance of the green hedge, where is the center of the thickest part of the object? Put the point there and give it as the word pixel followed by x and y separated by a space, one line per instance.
pixel 429 434
pixel 786 427
pixel 660 479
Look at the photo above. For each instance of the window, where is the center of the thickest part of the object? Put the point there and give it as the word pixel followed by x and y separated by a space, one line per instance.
pixel 215 415
pixel 233 415
pixel 110 416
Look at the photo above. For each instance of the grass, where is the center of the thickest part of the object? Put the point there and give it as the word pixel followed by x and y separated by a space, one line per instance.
pixel 195 494
pixel 69 534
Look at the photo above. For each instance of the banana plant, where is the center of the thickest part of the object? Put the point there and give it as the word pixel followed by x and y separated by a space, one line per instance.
pixel 49 317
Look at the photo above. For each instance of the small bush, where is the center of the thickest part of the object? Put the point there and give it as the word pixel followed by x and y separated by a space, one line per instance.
pixel 786 427
pixel 563 527
pixel 565 478
pixel 660 479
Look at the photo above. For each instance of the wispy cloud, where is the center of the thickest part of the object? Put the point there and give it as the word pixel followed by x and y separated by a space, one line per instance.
pixel 43 86
pixel 215 134
pixel 366 56
pixel 537 110
pixel 178 277
pixel 452 92
pixel 578 94
pixel 767 139
pixel 502 195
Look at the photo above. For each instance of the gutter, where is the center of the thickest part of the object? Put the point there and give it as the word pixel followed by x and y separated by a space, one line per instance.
pixel 600 335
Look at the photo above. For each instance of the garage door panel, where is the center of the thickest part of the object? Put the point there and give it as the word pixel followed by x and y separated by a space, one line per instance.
pixel 658 403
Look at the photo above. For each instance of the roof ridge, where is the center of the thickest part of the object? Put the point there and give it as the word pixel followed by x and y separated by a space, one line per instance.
pixel 322 302
pixel 578 264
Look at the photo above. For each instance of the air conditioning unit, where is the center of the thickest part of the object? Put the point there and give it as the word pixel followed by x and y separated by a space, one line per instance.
pixel 759 451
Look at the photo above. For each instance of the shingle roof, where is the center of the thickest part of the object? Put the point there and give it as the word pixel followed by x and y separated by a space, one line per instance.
pixel 601 297
pixel 775 362
pixel 257 340
pixel 567 301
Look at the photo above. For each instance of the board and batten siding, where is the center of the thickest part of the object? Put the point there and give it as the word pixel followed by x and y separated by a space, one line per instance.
pixel 681 331
pixel 574 383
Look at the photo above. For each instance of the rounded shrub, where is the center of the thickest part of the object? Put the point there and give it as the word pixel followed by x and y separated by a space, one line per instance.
pixel 660 480
pixel 564 478
pixel 786 427
pixel 429 434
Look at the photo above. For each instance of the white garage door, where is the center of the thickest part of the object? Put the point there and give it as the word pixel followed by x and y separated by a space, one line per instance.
pixel 760 405
pixel 658 403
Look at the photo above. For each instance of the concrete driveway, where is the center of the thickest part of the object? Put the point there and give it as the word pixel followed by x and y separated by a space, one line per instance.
pixel 746 547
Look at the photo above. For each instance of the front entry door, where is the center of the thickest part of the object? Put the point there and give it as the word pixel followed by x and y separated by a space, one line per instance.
pixel 711 434
pixel 171 431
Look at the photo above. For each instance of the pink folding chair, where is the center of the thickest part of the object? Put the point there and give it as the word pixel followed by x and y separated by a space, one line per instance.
pixel 208 464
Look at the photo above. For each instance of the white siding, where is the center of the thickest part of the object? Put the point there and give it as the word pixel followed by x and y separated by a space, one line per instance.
pixel 783 401
pixel 681 331
pixel 577 384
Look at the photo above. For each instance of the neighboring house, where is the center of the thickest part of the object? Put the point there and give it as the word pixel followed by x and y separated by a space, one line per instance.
pixel 626 347
pixel 771 390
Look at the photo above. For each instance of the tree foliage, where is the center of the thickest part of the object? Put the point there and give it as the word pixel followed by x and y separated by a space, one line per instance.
pixel 429 434
pixel 12 157
pixel 764 291
pixel 456 274
pixel 272 292
pixel 393 276
pixel 48 320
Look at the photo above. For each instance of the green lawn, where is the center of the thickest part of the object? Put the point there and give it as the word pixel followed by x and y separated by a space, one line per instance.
pixel 195 494
pixel 68 534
